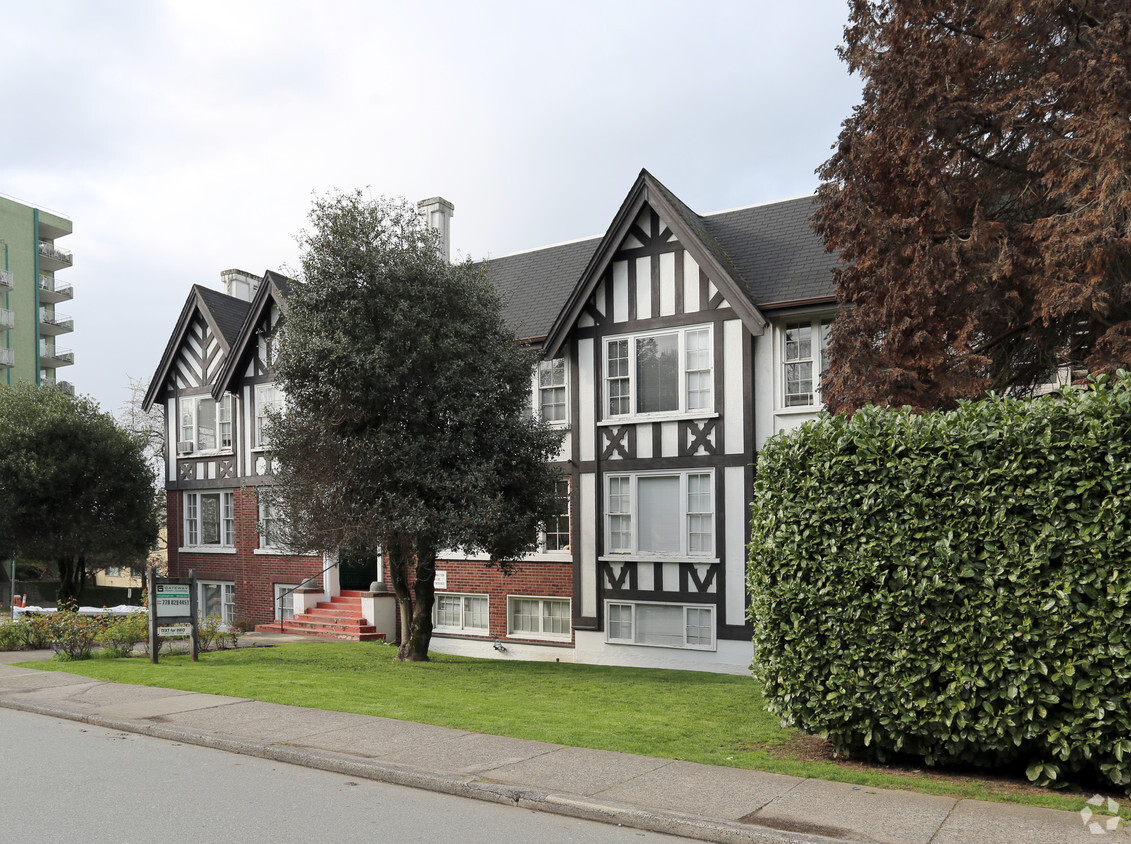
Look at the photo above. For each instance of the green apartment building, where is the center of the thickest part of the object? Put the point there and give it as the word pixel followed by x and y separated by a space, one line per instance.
pixel 31 329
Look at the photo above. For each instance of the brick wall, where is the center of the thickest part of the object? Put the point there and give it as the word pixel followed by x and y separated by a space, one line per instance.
pixel 254 575
pixel 534 579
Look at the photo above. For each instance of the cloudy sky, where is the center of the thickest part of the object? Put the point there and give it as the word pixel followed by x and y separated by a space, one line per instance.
pixel 187 137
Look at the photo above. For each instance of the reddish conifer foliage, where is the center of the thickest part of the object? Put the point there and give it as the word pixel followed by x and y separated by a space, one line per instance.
pixel 980 196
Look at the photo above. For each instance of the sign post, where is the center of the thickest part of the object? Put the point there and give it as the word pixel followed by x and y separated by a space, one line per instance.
pixel 172 610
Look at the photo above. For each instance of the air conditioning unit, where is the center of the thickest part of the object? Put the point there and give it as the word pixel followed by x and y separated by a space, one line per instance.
pixel 184 447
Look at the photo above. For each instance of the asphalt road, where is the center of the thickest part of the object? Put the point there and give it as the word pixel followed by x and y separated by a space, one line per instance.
pixel 64 781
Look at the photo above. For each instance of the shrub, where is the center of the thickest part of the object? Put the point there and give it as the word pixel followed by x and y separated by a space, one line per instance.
pixel 33 631
pixel 214 635
pixel 10 639
pixel 954 585
pixel 122 634
pixel 73 635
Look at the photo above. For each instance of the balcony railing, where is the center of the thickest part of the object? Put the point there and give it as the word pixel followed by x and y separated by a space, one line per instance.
pixel 51 291
pixel 7 319
pixel 5 279
pixel 51 356
pixel 50 250
pixel 50 320
pixel 7 357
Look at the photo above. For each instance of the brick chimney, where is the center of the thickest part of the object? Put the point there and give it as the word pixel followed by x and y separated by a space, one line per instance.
pixel 437 213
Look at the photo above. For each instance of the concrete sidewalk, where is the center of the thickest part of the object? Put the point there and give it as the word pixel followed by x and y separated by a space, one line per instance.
pixel 661 795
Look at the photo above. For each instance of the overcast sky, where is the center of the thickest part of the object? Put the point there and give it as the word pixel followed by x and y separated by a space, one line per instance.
pixel 185 138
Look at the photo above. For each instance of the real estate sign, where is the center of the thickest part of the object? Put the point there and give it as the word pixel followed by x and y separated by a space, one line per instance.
pixel 174 600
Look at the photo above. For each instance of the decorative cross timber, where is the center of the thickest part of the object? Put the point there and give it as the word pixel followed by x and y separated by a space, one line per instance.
pixel 700 436
pixel 226 468
pixel 187 472
pixel 615 442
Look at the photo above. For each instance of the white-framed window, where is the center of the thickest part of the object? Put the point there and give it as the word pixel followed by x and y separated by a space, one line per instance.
pixel 660 625
pixel 206 424
pixel 268 398
pixel 660 514
pixel 285 601
pixel 268 525
pixel 461 613
pixel 804 355
pixel 658 373
pixel 552 391
pixel 210 519
pixel 555 533
pixel 216 598
pixel 538 618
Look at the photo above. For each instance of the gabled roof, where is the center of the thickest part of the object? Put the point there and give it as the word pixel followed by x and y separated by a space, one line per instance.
pixel 224 315
pixel 274 288
pixel 688 228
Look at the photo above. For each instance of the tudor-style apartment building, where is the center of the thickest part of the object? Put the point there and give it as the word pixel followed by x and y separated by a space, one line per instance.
pixel 673 346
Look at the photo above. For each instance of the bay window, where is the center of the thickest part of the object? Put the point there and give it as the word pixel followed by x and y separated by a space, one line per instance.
pixel 210 519
pixel 660 514
pixel 664 372
pixel 660 625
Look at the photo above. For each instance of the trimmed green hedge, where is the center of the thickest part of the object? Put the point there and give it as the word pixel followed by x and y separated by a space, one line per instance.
pixel 954 585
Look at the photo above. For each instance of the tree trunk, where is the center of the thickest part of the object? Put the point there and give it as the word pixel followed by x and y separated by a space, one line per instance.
pixel 72 574
pixel 414 648
pixel 400 558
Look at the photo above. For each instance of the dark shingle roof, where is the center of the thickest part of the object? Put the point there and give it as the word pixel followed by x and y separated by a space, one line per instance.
pixel 778 254
pixel 771 248
pixel 228 311
pixel 535 285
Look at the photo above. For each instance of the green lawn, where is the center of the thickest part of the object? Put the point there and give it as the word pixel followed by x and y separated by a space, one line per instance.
pixel 709 718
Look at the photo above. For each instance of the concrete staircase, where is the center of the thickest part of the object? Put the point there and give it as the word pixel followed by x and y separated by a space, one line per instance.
pixel 338 618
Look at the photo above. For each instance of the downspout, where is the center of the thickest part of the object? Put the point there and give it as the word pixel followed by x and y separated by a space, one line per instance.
pixel 35 287
pixel 8 340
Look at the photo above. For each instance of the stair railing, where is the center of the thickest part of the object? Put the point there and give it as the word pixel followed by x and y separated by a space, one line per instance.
pixel 287 592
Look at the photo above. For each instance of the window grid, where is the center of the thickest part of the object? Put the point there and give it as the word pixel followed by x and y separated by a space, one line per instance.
pixel 557 531
pixel 805 361
pixel 461 613
pixel 268 526
pixel 700 515
pixel 210 518
pixel 798 360
pixel 616 378
pixel 660 625
pixel 690 503
pixel 552 390
pixel 658 373
pixel 699 369
pixel 620 514
pixel 267 399
pixel 536 617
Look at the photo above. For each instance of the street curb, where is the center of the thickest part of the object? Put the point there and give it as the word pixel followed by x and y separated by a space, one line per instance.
pixel 569 805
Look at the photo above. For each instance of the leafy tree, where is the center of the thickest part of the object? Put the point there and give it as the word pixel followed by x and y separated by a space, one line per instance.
pixel 981 197
pixel 406 430
pixel 74 487
pixel 150 430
